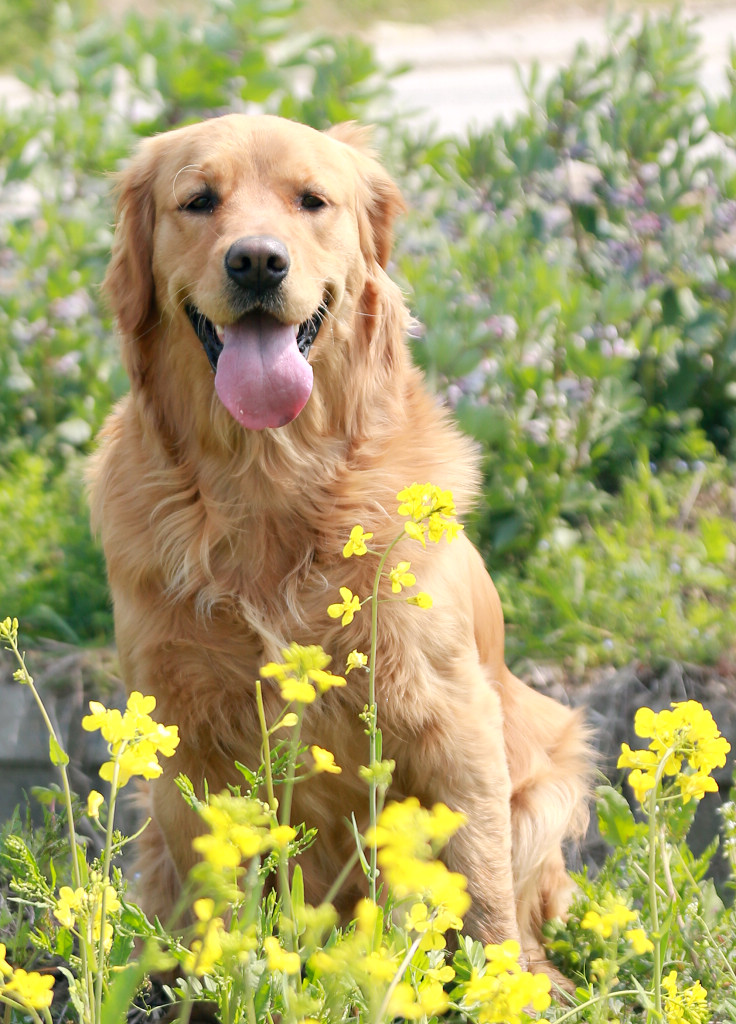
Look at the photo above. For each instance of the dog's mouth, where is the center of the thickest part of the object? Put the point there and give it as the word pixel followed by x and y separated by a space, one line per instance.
pixel 262 373
pixel 211 335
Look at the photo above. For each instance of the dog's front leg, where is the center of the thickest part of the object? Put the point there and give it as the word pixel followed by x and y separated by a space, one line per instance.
pixel 457 757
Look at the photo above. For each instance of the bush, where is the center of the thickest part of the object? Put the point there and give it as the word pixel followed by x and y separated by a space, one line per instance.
pixel 572 271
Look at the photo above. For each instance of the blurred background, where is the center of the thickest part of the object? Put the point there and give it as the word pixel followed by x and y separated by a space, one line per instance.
pixel 569 256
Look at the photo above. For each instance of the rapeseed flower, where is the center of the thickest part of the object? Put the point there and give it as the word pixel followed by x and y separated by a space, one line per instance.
pixel 324 761
pixel 686 1007
pixel 356 545
pixel 401 577
pixel 302 673
pixel 408 837
pixel 639 940
pixel 30 988
pixel 431 513
pixel 239 828
pixel 134 739
pixel 613 919
pixel 347 608
pixel 500 992
pixel 94 801
pixel 356 659
pixel 280 959
pixel 82 908
pixel 685 745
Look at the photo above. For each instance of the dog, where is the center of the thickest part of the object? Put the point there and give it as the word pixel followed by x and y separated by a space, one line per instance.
pixel 273 406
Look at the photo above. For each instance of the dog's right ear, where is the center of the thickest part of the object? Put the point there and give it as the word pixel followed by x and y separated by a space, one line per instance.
pixel 128 284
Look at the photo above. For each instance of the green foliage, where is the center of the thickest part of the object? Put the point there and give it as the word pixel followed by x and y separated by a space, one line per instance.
pixel 653 579
pixel 573 270
pixel 648 939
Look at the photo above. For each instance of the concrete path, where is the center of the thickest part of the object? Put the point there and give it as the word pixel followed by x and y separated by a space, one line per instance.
pixel 469 75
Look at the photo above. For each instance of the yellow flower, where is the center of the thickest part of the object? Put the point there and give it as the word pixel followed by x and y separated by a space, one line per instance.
pixel 407 836
pixel 238 830
pixel 303 665
pixel 503 957
pixel 133 738
pixel 686 1007
pixel 94 801
pixel 298 690
pixel 347 608
pixel 219 854
pixel 401 577
pixel 696 786
pixel 443 974
pixel 641 783
pixel 68 905
pixel 614 917
pixel 282 835
pixel 416 531
pixel 684 743
pixel 324 761
pixel 421 600
pixel 503 992
pixel 279 959
pixel 431 512
pixel 403 1003
pixel 31 988
pixel 139 760
pixel 356 545
pixel 204 909
pixel 433 1000
pixel 356 659
pixel 5 969
pixel 638 939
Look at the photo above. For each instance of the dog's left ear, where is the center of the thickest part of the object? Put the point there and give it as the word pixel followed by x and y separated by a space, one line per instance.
pixel 381 201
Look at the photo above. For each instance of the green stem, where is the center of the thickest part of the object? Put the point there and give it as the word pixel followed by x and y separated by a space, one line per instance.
pixel 106 862
pixel 265 749
pixel 653 904
pixel 652 884
pixel 569 1014
pixel 373 719
pixel 13 1004
pixel 345 871
pixel 398 976
pixel 702 921
pixel 27 680
pixel 284 809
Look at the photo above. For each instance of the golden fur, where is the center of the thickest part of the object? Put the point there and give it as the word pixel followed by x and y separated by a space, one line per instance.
pixel 223 543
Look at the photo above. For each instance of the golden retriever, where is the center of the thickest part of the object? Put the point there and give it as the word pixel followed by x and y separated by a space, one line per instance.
pixel 273 406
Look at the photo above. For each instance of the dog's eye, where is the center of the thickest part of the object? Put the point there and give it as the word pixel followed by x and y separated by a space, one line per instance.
pixel 310 201
pixel 205 202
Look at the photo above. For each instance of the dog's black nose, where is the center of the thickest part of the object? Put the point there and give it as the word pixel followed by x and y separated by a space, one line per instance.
pixel 258 263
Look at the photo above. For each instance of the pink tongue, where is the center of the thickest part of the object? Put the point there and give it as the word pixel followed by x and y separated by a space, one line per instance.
pixel 262 378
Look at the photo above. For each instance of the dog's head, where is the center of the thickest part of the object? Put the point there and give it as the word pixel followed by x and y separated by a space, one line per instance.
pixel 250 248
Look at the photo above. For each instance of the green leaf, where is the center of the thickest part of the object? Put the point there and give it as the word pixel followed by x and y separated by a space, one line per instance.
pixel 297 890
pixel 615 820
pixel 59 757
pixel 121 992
